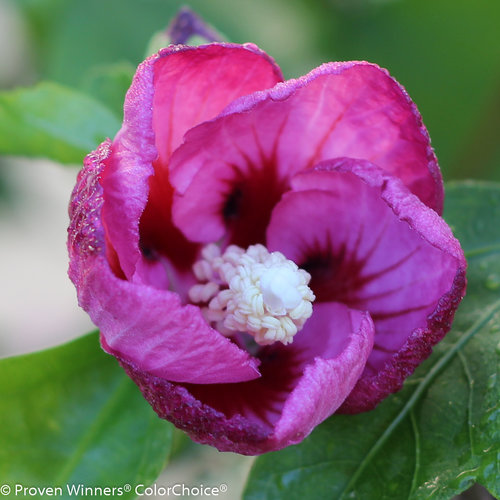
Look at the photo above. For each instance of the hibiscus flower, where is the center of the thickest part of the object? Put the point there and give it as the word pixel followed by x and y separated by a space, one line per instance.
pixel 260 254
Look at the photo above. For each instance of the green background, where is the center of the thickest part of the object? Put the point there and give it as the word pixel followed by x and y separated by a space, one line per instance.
pixel 445 52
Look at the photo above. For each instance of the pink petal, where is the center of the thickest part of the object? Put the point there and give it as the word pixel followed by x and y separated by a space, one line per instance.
pixel 340 109
pixel 139 323
pixel 151 329
pixel 372 245
pixel 301 385
pixel 194 84
pixel 172 91
pixel 325 383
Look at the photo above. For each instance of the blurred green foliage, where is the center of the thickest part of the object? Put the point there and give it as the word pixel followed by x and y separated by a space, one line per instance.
pixel 445 52
pixel 52 121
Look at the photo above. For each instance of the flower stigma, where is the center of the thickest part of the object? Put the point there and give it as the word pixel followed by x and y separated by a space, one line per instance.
pixel 253 291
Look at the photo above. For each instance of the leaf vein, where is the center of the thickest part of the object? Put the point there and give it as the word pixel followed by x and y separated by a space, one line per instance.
pixel 475 252
pixel 433 372
pixel 91 433
pixel 416 470
pixel 470 383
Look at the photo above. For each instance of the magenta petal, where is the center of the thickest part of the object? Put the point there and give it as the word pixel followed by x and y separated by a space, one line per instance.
pixel 374 246
pixel 338 110
pixel 194 84
pixel 172 91
pixel 337 367
pixel 349 109
pixel 300 387
pixel 150 328
pixel 138 323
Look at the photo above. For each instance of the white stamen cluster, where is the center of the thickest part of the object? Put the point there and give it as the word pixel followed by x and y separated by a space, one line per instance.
pixel 253 291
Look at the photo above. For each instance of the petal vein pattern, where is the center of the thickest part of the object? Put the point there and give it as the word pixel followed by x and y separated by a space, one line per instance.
pixel 228 202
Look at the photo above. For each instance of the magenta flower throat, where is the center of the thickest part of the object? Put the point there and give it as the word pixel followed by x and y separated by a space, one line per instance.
pixel 260 254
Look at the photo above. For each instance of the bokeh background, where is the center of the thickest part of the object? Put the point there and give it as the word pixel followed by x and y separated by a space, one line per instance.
pixel 445 52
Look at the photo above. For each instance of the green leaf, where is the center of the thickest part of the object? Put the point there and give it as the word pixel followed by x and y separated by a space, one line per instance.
pixel 52 121
pixel 70 415
pixel 441 433
pixel 109 84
